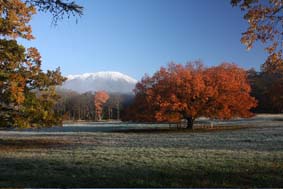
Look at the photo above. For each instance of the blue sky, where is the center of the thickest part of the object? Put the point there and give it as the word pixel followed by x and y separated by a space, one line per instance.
pixel 138 36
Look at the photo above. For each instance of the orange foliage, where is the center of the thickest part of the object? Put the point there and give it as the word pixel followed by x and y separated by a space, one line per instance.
pixel 264 24
pixel 15 16
pixel 100 98
pixel 190 91
pixel 231 96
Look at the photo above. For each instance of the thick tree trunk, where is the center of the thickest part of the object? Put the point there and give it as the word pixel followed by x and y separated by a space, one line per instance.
pixel 190 123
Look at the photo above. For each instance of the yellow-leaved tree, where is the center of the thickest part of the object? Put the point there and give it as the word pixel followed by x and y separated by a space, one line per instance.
pixel 27 94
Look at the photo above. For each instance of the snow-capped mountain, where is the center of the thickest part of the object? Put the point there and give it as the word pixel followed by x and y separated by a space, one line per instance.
pixel 107 81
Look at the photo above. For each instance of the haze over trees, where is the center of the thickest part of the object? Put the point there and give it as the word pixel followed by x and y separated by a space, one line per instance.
pixel 75 106
pixel 190 91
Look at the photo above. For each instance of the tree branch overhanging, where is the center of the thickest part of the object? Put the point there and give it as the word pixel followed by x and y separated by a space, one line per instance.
pixel 58 8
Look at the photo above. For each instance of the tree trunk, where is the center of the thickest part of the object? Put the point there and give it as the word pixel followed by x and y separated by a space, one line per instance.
pixel 190 123
pixel 118 111
pixel 109 113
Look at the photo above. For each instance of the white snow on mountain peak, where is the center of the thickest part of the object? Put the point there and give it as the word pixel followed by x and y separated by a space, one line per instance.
pixel 105 74
pixel 108 80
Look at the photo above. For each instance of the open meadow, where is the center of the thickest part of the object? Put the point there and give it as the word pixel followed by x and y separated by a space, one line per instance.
pixel 136 83
pixel 240 153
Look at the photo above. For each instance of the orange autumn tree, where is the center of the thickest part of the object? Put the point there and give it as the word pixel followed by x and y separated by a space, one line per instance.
pixel 231 96
pixel 190 91
pixel 100 98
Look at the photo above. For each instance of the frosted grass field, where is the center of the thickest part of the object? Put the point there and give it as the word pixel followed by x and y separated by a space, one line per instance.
pixel 258 120
pixel 106 155
pixel 261 120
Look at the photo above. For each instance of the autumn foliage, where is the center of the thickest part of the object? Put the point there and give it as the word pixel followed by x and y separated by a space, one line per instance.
pixel 27 94
pixel 265 24
pixel 100 98
pixel 189 91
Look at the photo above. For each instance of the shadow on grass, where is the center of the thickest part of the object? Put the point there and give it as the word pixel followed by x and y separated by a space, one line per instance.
pixel 31 172
pixel 31 143
pixel 180 130
pixel 75 129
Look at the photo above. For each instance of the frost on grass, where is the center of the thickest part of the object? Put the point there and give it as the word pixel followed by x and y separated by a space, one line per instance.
pixel 250 157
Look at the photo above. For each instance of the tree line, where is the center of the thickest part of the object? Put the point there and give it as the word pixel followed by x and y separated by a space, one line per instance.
pixel 179 92
pixel 91 106
pixel 267 87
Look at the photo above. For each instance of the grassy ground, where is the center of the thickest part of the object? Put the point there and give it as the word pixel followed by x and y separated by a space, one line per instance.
pixel 248 157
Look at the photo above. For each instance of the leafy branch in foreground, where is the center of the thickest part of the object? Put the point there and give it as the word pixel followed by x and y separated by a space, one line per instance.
pixel 58 8
pixel 265 19
pixel 27 94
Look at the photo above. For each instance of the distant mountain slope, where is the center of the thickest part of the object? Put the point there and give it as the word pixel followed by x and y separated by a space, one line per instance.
pixel 108 81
